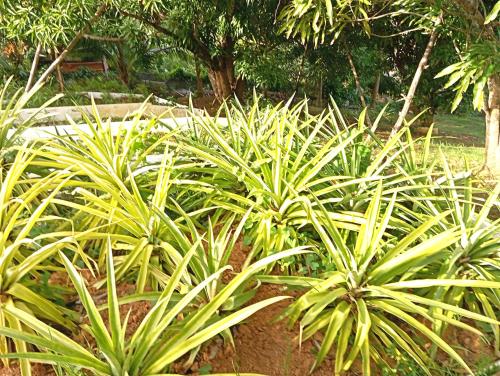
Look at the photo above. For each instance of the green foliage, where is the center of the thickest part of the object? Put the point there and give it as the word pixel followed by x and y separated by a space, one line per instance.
pixel 7 69
pixel 113 195
pixel 407 366
pixel 76 88
pixel 478 49
pixel 268 161
pixel 391 246
pixel 480 62
pixel 50 23
pixel 357 305
pixel 11 122
pixel 324 19
pixel 218 25
pixel 22 208
pixel 476 255
pixel 160 338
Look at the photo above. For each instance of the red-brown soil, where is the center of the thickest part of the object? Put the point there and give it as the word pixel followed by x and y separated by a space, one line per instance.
pixel 36 370
pixel 265 346
pixel 262 344
pixel 136 312
pixel 471 347
pixel 207 103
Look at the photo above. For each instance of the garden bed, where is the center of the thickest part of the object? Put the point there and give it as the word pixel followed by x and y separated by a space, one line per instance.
pixel 132 249
pixel 263 344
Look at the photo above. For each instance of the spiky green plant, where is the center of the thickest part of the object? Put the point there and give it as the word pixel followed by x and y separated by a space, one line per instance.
pixel 161 338
pixel 370 303
pixel 476 254
pixel 269 160
pixel 22 252
pixel 113 192
pixel 12 121
pixel 405 249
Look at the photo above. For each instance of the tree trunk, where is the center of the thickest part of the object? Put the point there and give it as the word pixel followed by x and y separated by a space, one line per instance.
pixel 359 88
pixel 71 45
pixel 376 89
pixel 422 65
pixel 301 71
pixel 240 87
pixel 320 91
pixel 199 82
pixel 220 83
pixel 60 79
pixel 34 68
pixel 59 75
pixel 493 125
pixel 223 80
pixel 123 72
pixel 213 82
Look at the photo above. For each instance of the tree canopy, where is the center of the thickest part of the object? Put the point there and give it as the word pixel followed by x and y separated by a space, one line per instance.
pixel 293 43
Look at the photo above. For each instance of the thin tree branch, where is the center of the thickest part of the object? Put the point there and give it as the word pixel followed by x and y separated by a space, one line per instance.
pixel 357 80
pixel 422 65
pixel 397 34
pixel 154 25
pixel 34 67
pixel 100 11
pixel 103 38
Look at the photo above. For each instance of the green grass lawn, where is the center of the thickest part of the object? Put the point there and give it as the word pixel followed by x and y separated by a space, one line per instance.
pixel 461 138
pixel 467 129
pixel 459 156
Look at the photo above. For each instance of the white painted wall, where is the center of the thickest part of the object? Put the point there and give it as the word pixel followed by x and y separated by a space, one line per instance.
pixel 60 114
pixel 47 132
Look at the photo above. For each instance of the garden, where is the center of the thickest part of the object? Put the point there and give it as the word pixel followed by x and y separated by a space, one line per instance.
pixel 245 228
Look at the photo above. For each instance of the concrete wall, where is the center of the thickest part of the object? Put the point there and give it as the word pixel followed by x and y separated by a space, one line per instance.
pixel 114 111
pixel 49 131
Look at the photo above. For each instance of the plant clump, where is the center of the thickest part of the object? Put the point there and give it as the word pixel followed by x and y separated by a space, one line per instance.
pixel 380 248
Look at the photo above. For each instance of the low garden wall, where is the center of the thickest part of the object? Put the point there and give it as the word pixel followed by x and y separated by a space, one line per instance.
pixel 114 111
pixel 56 119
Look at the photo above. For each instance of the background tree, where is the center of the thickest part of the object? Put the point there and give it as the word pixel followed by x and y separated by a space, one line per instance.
pixel 55 26
pixel 471 24
pixel 324 20
pixel 477 40
pixel 215 32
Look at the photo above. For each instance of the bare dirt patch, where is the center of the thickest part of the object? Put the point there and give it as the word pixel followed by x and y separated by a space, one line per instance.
pixel 266 346
pixel 36 370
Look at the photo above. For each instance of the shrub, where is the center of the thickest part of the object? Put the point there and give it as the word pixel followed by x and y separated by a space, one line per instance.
pixel 23 253
pixel 160 339
pixel 398 248
pixel 371 302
